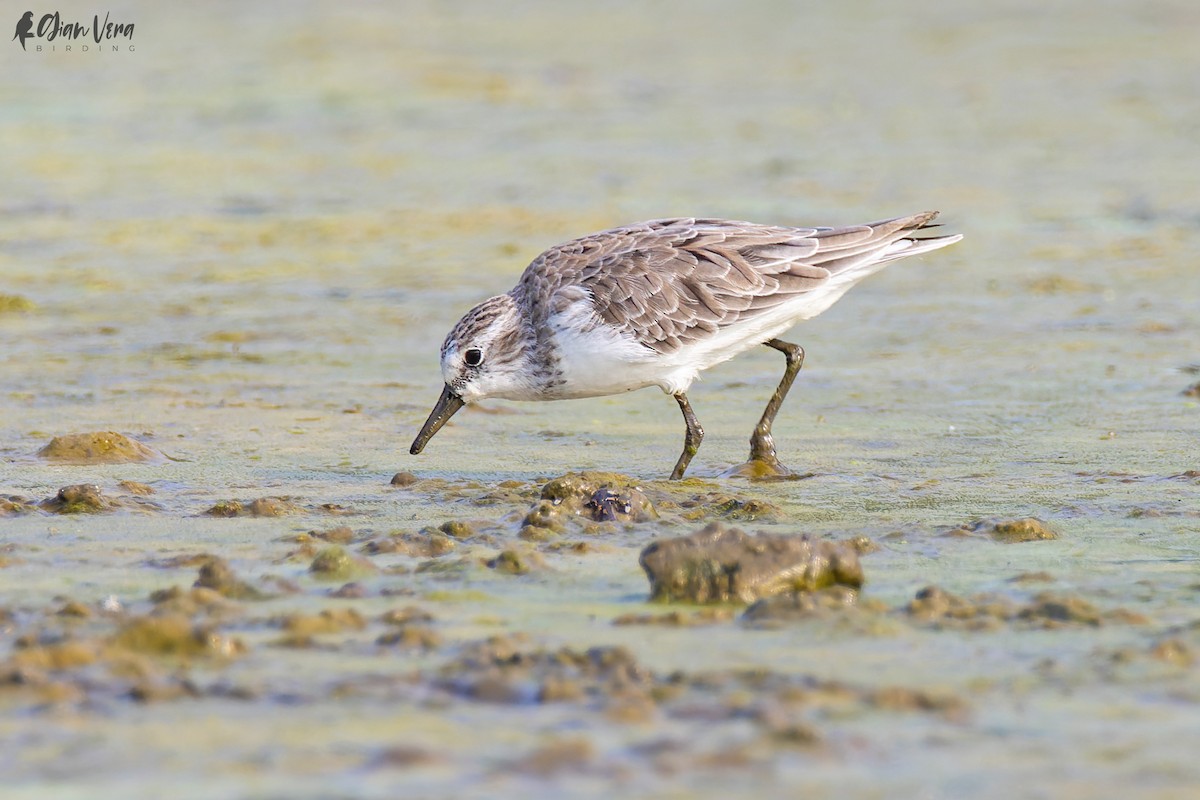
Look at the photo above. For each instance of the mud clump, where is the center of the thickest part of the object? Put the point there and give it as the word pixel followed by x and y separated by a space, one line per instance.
pixel 226 508
pixel 574 755
pixel 723 565
pixel 405 616
pixel 54 657
pixel 12 504
pixel 458 529
pixel 1008 531
pixel 189 603
pixel 335 564
pixel 429 543
pixel 1173 651
pixel 103 447
pixel 595 496
pixel 411 637
pixel 15 304
pixel 678 619
pixel 83 498
pixel 1050 610
pixel 517 562
pixel 410 629
pixel 802 605
pixel 943 610
pixel 499 670
pixel 262 507
pixel 342 534
pixel 328 621
pixel 219 576
pixel 940 609
pixel 174 636
pixel 506 669
pixel 737 509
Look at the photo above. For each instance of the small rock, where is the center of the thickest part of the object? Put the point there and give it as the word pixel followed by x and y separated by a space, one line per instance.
pixel 718 565
pixel 404 479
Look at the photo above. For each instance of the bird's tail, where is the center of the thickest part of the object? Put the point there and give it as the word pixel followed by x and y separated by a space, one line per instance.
pixel 907 243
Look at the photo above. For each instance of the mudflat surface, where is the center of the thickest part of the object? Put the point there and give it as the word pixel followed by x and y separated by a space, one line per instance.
pixel 241 245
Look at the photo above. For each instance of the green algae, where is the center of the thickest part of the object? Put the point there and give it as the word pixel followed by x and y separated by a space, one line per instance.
pixel 16 304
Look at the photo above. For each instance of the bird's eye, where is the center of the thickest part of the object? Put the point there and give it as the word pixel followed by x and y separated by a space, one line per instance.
pixel 473 357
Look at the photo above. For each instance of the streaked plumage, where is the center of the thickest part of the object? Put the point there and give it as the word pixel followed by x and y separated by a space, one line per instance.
pixel 656 303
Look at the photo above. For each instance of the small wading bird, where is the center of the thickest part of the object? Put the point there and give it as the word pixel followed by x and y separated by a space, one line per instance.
pixel 656 303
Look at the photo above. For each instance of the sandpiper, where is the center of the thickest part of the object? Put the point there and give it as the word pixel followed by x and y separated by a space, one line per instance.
pixel 655 304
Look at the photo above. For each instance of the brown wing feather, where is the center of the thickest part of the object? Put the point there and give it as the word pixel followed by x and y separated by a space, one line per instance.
pixel 673 281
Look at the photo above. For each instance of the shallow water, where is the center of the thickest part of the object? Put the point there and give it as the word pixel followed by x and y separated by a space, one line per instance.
pixel 244 242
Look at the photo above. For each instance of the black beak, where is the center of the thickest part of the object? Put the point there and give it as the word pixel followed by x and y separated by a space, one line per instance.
pixel 447 404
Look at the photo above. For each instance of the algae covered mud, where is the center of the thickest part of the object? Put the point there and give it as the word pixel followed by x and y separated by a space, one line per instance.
pixel 222 291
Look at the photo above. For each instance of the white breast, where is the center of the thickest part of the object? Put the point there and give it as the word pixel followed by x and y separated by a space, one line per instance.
pixel 597 359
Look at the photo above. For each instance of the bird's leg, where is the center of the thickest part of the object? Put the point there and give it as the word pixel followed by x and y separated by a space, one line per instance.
pixel 691 441
pixel 762 446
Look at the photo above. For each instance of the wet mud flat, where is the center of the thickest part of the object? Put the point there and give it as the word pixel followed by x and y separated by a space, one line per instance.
pixel 222 574
pixel 473 635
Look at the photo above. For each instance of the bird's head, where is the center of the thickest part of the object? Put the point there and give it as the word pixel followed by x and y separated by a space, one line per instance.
pixel 487 354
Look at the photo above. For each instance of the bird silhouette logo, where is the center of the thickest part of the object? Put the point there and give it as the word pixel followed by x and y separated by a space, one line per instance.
pixel 24 28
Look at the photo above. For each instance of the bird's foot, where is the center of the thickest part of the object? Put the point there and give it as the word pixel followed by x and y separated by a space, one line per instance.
pixel 764 464
pixel 764 469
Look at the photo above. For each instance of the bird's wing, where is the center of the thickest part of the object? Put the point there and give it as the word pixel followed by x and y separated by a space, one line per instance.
pixel 672 282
